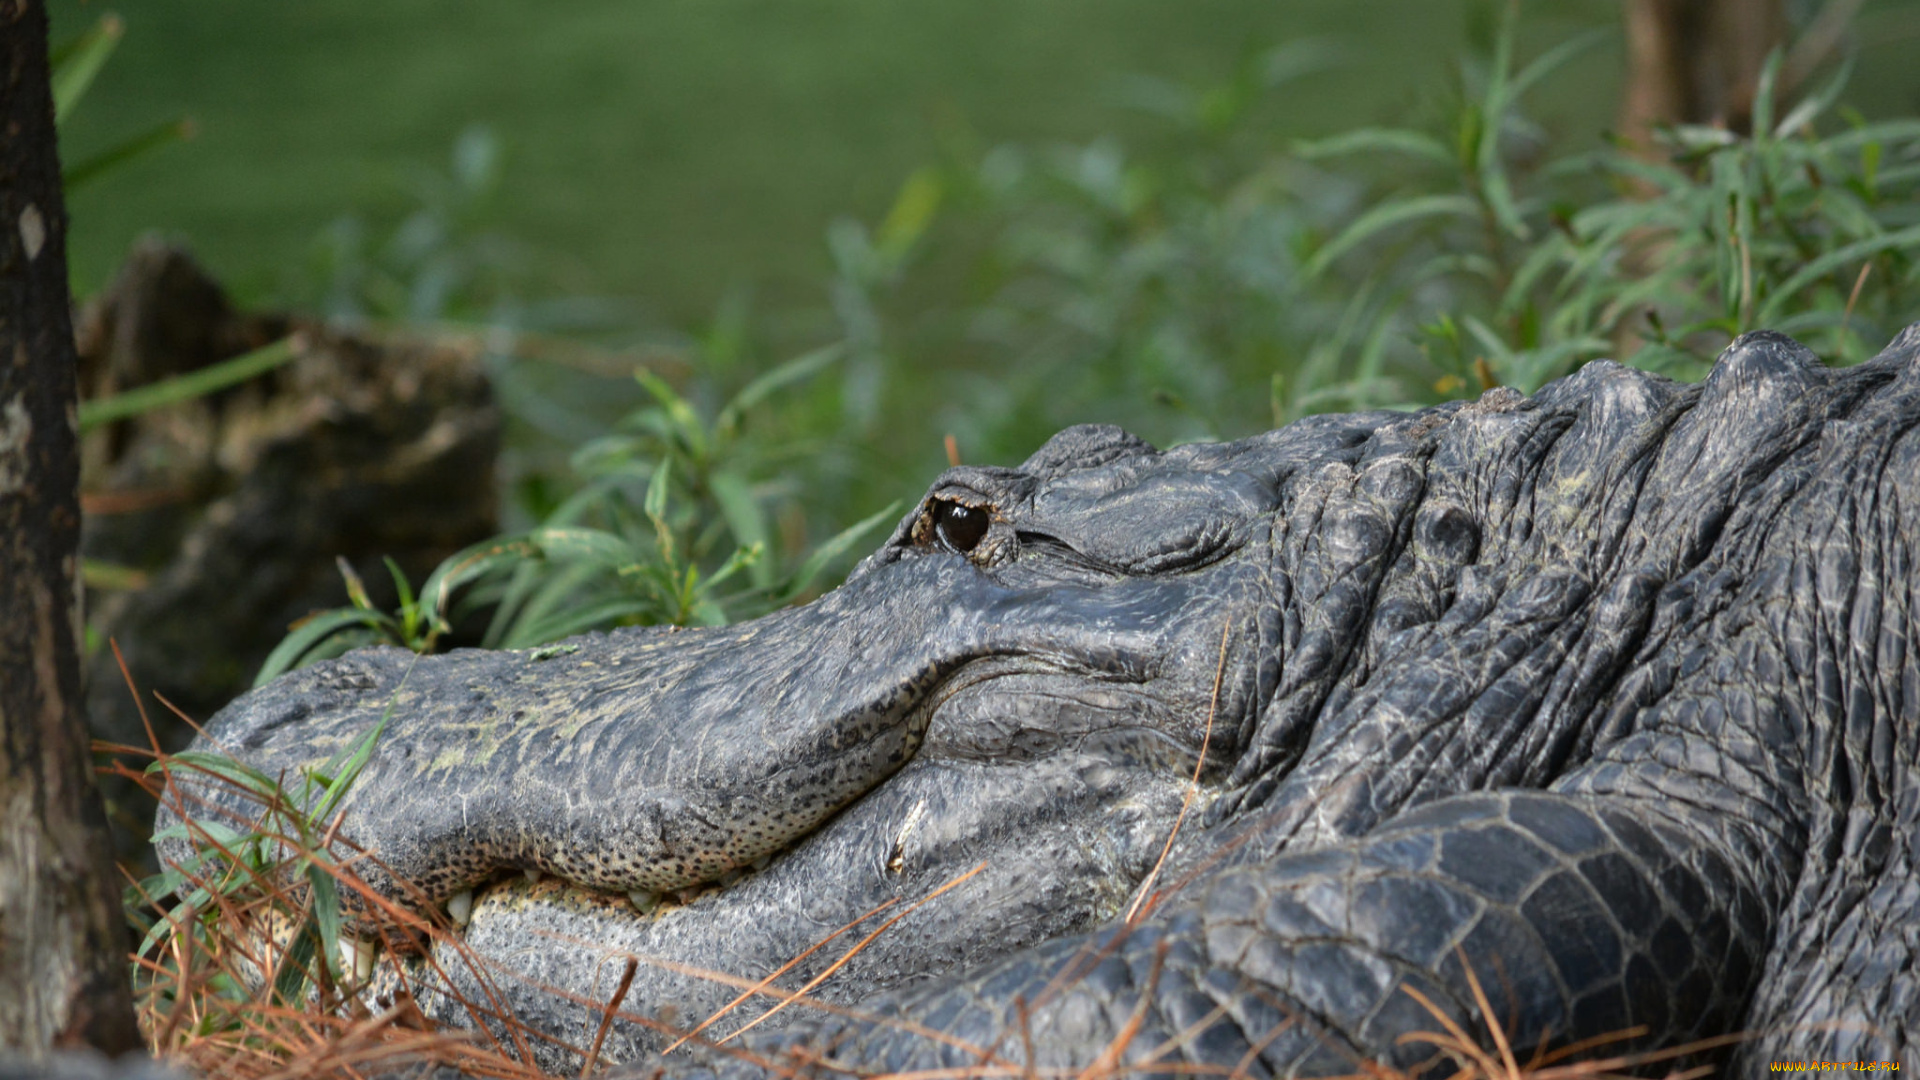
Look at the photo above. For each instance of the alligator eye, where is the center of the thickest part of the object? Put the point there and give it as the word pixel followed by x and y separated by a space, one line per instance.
pixel 960 528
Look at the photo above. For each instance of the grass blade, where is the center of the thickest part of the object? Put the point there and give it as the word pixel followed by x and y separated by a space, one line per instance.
pixel 287 655
pixel 81 61
pixel 1376 140
pixel 832 550
pixel 798 369
pixel 186 387
pixel 1387 215
pixel 75 177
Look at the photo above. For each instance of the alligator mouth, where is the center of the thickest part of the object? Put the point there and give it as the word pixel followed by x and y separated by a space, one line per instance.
pixel 1003 709
pixel 977 856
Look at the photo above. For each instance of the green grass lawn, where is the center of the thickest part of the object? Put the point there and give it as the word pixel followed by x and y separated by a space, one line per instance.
pixel 666 150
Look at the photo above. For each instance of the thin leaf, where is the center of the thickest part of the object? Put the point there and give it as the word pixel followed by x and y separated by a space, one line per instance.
pixel 656 501
pixel 1498 193
pixel 290 983
pixel 524 585
pixel 1551 60
pixel 706 613
pixel 745 519
pixel 472 562
pixel 561 592
pixel 1851 255
pixel 185 387
pixel 1373 140
pixel 1763 94
pixel 1293 59
pixel 913 210
pixel 595 546
pixel 75 177
pixel 1811 106
pixel 1496 98
pixel 82 61
pixel 798 369
pixel 742 558
pixel 686 424
pixel 219 833
pixel 1884 131
pixel 105 576
pixel 182 914
pixel 343 772
pixel 326 916
pixel 356 588
pixel 400 586
pixel 1386 216
pixel 345 641
pixel 287 655
pixel 222 766
pixel 832 550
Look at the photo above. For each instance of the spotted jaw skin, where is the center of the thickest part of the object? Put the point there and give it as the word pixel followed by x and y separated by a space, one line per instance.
pixel 1596 703
pixel 1056 847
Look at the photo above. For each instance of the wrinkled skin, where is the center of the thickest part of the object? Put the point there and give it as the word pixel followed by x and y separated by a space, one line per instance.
pixel 1599 704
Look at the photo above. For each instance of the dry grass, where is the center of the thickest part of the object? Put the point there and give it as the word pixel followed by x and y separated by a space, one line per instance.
pixel 241 981
pixel 241 974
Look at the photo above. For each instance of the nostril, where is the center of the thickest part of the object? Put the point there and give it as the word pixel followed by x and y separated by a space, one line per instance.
pixel 1450 533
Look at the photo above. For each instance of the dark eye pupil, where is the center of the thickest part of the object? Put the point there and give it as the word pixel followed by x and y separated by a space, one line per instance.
pixel 961 528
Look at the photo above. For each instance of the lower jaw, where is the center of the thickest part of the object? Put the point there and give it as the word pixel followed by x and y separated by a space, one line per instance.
pixel 554 954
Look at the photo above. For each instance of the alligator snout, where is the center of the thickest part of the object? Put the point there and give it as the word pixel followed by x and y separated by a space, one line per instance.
pixel 1023 685
pixel 639 762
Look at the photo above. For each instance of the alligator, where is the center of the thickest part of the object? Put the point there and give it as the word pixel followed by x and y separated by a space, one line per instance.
pixel 1583 721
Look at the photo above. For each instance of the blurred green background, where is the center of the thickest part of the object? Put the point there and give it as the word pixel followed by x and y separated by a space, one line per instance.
pixel 995 217
pixel 668 150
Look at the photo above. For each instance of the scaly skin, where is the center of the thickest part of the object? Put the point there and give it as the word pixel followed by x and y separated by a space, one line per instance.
pixel 1602 696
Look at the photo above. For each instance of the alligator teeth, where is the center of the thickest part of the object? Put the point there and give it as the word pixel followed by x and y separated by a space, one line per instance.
pixel 356 956
pixel 643 901
pixel 727 879
pixel 763 862
pixel 460 907
pixel 532 875
pixel 897 861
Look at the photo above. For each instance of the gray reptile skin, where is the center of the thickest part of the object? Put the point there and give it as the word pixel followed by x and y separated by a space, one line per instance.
pixel 1606 696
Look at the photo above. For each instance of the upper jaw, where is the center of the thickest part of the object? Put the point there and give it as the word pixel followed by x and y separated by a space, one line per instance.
pixel 485 753
pixel 1055 842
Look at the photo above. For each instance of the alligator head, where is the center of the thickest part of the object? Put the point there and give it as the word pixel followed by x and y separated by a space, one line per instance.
pixel 1524 712
pixel 1023 677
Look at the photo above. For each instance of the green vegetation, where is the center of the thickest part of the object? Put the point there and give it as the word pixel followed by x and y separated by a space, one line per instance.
pixel 186 387
pixel 669 151
pixel 75 65
pixel 1539 269
pixel 673 509
pixel 1204 272
pixel 233 859
pixel 1157 296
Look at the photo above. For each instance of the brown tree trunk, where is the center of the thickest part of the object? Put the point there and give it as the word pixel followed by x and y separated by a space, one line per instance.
pixel 63 970
pixel 1695 62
